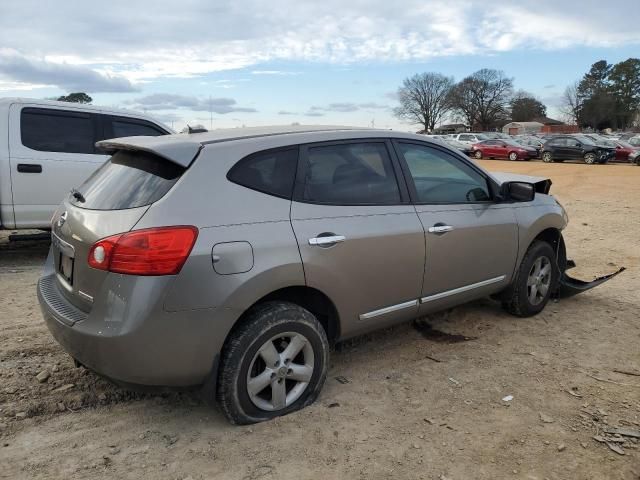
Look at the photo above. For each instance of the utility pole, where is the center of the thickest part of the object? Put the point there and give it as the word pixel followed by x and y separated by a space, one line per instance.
pixel 210 113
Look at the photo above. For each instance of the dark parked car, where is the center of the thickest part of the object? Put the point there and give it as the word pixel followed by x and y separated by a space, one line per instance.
pixel 568 147
pixel 503 149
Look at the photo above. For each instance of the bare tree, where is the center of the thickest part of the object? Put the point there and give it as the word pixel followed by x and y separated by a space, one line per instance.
pixel 570 106
pixel 424 99
pixel 483 98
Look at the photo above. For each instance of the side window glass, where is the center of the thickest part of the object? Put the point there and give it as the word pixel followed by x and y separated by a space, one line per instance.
pixel 50 130
pixel 465 137
pixel 272 172
pixel 122 128
pixel 350 174
pixel 441 178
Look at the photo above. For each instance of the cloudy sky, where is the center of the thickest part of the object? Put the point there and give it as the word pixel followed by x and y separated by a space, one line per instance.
pixel 332 62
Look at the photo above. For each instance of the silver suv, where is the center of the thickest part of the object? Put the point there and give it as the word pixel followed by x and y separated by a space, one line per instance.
pixel 235 259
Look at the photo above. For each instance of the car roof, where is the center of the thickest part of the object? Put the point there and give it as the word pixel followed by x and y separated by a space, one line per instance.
pixel 184 147
pixel 81 106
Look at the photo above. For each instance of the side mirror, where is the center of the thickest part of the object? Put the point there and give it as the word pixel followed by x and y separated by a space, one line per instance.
pixel 518 191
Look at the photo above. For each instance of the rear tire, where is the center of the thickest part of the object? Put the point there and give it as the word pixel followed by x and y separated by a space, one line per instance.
pixel 547 157
pixel 535 280
pixel 256 382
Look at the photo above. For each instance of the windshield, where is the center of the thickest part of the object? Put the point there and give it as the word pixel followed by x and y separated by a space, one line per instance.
pixel 129 179
pixel 624 144
pixel 513 143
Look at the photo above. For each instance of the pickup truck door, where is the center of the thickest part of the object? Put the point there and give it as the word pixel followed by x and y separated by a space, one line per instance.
pixel 471 241
pixel 51 150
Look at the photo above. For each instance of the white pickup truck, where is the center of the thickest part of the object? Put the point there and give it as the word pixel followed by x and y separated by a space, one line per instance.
pixel 47 148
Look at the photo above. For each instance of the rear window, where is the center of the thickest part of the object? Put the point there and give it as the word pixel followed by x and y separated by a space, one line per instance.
pixel 49 130
pixel 128 180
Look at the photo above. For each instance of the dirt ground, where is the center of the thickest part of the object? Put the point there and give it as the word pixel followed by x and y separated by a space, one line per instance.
pixel 416 404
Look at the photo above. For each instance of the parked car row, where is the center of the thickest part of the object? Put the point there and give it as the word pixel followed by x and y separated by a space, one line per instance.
pixel 590 147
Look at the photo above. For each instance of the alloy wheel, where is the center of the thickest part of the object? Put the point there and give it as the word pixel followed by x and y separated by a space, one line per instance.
pixel 280 371
pixel 539 280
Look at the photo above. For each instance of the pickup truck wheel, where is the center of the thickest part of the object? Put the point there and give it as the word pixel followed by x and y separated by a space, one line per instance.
pixel 535 281
pixel 275 363
pixel 547 157
pixel 590 158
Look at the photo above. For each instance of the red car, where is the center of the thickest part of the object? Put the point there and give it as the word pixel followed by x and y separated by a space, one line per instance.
pixel 503 149
pixel 623 150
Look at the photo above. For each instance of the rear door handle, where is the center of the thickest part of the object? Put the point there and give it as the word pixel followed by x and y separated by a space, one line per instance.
pixel 29 168
pixel 440 229
pixel 326 241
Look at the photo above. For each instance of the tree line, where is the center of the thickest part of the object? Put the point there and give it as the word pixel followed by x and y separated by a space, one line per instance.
pixel 607 96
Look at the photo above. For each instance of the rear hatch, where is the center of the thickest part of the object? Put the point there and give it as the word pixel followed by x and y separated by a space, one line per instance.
pixel 110 202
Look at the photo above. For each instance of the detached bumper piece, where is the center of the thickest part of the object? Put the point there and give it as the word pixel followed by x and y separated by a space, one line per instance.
pixel 569 286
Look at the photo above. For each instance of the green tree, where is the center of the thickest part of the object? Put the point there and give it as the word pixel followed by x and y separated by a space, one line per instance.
pixel 78 97
pixel 424 99
pixel 624 81
pixel 597 104
pixel 525 107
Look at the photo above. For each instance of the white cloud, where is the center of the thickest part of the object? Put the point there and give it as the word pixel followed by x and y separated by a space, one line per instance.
pixel 169 101
pixel 30 72
pixel 191 38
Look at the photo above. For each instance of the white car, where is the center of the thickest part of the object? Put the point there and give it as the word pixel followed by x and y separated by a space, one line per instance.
pixel 469 138
pixel 48 147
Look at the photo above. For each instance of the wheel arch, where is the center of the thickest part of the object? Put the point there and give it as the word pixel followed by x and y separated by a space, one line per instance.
pixel 312 299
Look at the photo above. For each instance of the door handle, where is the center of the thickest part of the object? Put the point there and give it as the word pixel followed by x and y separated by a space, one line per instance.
pixel 440 229
pixel 326 241
pixel 29 168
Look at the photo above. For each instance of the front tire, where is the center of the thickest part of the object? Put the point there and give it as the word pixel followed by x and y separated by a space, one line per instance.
pixel 590 158
pixel 535 280
pixel 275 363
pixel 547 157
pixel 513 156
pixel 478 155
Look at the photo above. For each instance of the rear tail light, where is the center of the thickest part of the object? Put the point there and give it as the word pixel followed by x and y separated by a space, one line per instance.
pixel 152 251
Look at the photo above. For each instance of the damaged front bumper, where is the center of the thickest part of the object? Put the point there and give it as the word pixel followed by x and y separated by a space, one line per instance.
pixel 569 286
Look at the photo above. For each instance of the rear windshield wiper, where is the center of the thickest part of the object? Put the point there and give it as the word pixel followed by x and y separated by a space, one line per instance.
pixel 77 195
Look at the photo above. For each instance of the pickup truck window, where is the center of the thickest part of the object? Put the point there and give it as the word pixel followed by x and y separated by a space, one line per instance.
pixel 123 128
pixel 50 130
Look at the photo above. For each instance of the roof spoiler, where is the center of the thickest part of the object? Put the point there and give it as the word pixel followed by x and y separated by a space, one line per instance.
pixel 182 153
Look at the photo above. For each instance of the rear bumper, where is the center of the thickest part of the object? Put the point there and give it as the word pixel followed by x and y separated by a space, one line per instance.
pixel 128 337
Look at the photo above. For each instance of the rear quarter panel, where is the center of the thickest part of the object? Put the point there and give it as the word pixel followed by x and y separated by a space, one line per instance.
pixel 226 212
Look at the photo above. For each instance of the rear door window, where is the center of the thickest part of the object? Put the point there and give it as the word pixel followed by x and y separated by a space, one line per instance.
pixel 129 179
pixel 350 174
pixel 51 130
